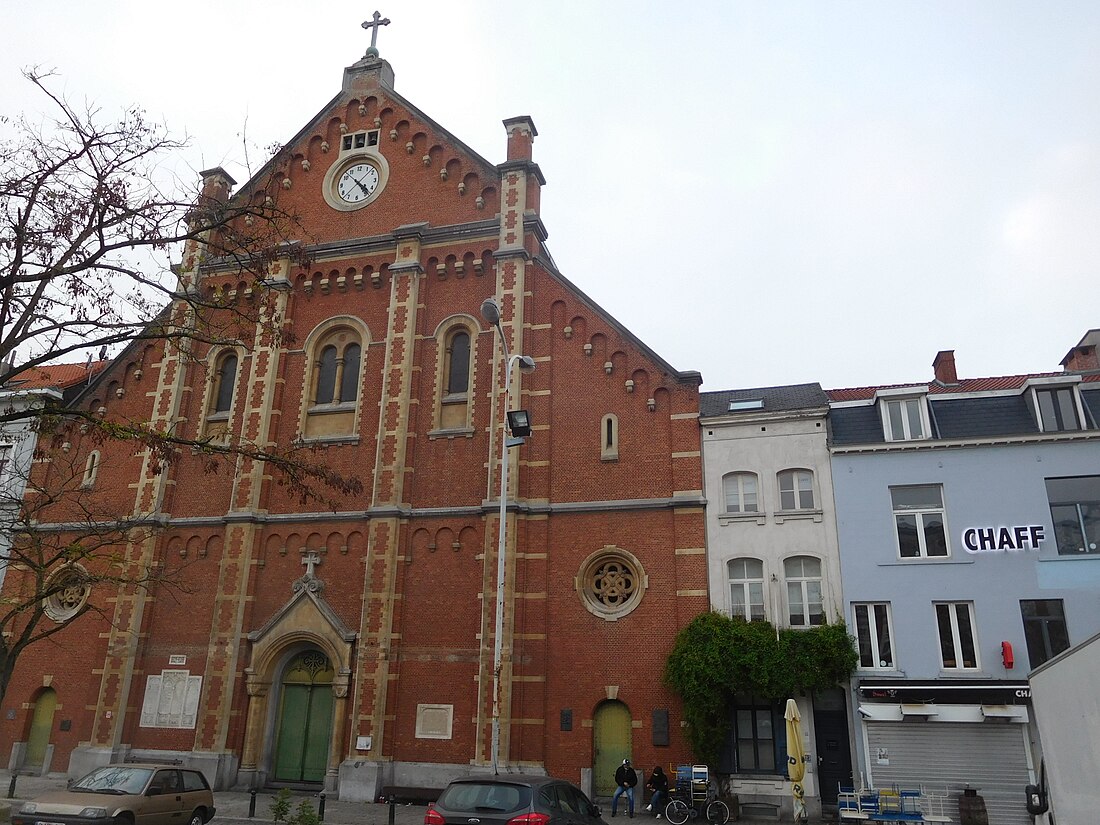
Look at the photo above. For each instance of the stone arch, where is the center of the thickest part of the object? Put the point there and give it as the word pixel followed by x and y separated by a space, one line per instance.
pixel 469 539
pixel 418 545
pixel 305 622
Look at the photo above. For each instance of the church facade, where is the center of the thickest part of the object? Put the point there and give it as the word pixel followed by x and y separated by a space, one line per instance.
pixel 356 649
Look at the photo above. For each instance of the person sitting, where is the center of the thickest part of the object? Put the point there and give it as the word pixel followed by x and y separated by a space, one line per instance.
pixel 658 784
pixel 625 780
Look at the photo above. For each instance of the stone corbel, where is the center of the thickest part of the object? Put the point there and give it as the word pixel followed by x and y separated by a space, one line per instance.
pixel 256 686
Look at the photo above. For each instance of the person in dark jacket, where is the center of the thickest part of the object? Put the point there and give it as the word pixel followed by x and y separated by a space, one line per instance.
pixel 625 780
pixel 658 783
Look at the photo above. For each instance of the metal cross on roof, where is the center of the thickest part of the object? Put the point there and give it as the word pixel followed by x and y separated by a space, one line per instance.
pixel 373 24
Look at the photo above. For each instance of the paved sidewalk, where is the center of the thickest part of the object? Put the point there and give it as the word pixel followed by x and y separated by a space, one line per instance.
pixel 233 805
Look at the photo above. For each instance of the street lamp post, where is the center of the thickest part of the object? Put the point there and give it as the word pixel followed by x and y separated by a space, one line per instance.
pixel 490 311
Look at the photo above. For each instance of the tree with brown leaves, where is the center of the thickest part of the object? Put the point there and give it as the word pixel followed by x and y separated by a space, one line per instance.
pixel 88 233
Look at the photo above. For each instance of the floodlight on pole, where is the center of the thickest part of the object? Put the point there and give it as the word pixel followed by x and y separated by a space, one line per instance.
pixel 510 422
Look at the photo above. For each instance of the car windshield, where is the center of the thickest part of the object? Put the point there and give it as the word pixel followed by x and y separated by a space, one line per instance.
pixel 484 796
pixel 114 779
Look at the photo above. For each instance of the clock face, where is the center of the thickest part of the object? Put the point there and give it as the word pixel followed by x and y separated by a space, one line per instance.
pixel 357 183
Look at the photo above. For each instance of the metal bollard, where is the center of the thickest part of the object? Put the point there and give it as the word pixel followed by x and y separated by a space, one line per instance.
pixel 393 808
pixel 11 786
pixel 251 803
pixel 321 807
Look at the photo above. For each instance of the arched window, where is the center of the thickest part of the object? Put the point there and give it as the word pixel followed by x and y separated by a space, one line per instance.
pixel 458 363
pixel 796 490
pixel 740 492
pixel 349 379
pixel 609 437
pixel 804 602
pixel 326 376
pixel 336 370
pixel 220 393
pixel 91 467
pixel 454 406
pixel 746 579
pixel 332 393
pixel 225 380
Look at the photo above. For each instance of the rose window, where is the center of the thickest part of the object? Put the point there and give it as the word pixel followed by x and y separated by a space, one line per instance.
pixel 611 583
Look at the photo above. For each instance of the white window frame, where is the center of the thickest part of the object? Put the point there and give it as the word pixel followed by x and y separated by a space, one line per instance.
pixel 744 584
pixel 796 474
pixel 875 634
pixel 609 437
pixel 956 635
pixel 904 403
pixel 1051 427
pixel 739 476
pixel 802 582
pixel 91 470
pixel 922 544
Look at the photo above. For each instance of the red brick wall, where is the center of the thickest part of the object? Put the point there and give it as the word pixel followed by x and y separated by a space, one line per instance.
pixel 442 580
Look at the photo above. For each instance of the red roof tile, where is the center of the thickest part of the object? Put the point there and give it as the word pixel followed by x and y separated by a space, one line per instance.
pixel 1003 382
pixel 60 376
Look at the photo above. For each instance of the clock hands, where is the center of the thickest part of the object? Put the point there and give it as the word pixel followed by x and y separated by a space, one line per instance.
pixel 358 183
pixel 361 185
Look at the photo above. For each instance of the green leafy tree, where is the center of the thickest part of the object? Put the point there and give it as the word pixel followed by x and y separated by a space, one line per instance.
pixel 717 657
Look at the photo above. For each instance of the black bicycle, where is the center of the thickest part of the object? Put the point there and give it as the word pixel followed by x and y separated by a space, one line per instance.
pixel 692 800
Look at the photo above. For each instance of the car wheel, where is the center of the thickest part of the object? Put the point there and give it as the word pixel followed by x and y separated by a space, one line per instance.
pixel 677 812
pixel 198 817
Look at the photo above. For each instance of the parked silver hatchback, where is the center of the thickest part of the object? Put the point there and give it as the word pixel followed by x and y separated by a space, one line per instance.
pixel 130 794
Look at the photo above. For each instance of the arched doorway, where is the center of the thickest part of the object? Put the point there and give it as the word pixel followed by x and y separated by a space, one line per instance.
pixel 303 728
pixel 38 737
pixel 611 738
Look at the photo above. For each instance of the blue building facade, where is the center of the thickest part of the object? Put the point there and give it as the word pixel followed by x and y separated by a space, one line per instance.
pixel 968 520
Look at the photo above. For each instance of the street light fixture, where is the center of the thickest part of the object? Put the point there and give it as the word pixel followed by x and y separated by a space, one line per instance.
pixel 518 422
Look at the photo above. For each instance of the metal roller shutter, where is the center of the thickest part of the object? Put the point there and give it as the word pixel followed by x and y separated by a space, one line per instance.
pixel 990 757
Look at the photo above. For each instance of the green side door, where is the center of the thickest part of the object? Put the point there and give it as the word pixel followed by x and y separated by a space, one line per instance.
pixel 305 720
pixel 612 742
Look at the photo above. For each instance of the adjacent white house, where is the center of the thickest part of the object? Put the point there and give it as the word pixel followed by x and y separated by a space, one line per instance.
pixel 31 389
pixel 772 554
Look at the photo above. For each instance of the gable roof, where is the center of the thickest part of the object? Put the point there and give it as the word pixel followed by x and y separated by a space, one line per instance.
pixel 785 398
pixel 55 376
pixel 972 408
pixel 382 68
pixel 965 385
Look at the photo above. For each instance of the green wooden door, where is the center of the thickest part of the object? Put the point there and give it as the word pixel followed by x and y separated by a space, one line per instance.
pixel 41 725
pixel 612 742
pixel 305 720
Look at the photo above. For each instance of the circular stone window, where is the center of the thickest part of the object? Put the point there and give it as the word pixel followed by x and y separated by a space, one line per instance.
pixel 611 582
pixel 69 591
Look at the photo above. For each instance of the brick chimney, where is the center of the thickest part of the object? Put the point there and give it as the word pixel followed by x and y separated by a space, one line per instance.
pixel 521 136
pixel 1083 357
pixel 217 184
pixel 944 367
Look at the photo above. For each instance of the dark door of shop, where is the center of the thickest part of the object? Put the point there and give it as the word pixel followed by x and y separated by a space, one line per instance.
pixel 834 754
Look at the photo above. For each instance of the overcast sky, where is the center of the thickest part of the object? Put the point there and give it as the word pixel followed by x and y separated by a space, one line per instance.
pixel 767 192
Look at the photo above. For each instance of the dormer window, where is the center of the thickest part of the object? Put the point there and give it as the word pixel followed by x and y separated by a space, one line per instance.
pixel 904 414
pixel 746 404
pixel 1057 409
